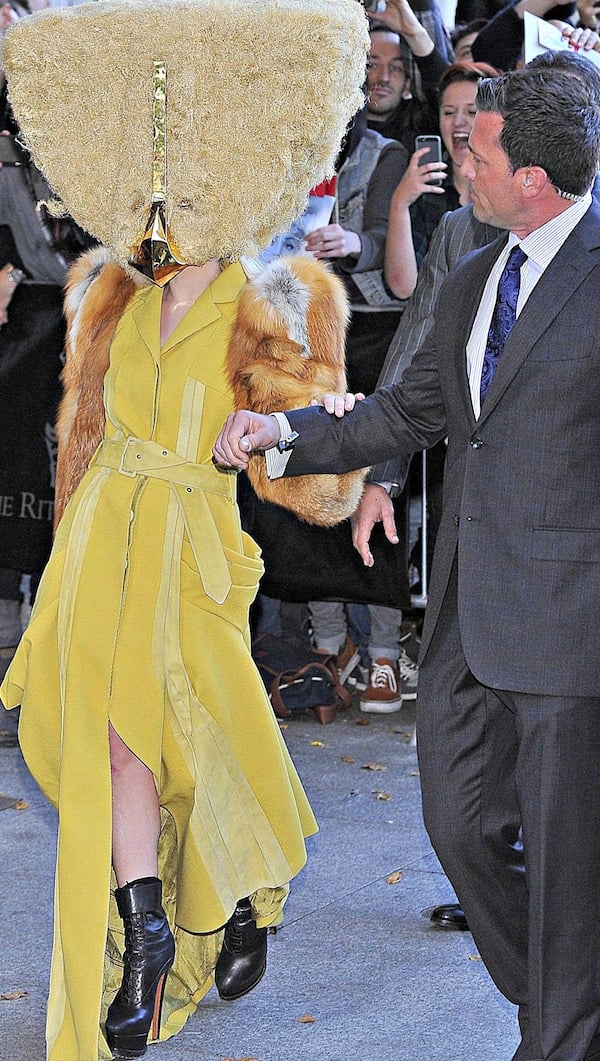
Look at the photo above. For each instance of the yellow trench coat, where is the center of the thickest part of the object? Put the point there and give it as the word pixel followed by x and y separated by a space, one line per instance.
pixel 142 619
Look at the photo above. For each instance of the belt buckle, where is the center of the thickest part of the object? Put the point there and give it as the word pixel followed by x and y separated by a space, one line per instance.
pixel 121 469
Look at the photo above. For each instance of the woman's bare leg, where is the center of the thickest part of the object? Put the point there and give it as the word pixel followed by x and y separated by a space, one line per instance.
pixel 135 814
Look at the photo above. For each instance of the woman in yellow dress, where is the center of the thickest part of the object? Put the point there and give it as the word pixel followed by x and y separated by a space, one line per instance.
pixel 143 718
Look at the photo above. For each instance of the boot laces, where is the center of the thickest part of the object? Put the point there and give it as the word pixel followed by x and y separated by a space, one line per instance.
pixel 134 958
pixel 239 931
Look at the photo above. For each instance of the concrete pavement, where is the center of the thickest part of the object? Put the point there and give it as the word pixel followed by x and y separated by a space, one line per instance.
pixel 357 973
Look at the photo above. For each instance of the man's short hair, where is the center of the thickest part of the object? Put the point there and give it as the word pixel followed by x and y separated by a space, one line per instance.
pixel 551 119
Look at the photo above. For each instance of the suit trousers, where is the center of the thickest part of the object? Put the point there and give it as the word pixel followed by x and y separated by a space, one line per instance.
pixel 511 801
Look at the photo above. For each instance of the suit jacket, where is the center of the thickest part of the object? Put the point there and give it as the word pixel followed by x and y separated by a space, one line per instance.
pixel 457 233
pixel 522 483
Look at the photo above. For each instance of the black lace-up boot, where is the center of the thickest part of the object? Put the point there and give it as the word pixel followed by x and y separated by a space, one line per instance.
pixel 149 954
pixel 243 958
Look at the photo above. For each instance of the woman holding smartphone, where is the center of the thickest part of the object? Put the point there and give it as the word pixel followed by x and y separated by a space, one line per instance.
pixel 429 189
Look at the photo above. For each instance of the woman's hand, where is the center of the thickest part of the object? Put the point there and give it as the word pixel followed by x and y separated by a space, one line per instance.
pixel 418 179
pixel 243 433
pixel 400 263
pixel 333 241
pixel 399 17
pixel 580 38
pixel 338 404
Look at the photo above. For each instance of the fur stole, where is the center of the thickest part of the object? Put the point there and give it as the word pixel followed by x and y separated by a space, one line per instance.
pixel 286 347
pixel 97 293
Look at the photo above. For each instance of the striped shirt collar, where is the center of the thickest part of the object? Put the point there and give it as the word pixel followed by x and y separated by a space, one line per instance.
pixel 544 242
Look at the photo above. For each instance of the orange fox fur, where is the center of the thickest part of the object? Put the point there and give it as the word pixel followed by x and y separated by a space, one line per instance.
pixel 287 347
pixel 268 370
pixel 96 295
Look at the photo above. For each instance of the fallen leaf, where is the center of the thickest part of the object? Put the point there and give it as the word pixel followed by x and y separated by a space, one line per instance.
pixel 373 766
pixel 363 722
pixel 475 957
pixel 348 759
pixel 394 877
pixel 282 725
pixel 317 744
pixel 8 802
pixel 381 795
pixel 12 995
pixel 20 805
pixel 306 1019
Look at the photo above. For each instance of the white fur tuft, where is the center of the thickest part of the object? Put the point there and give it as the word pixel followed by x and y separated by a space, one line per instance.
pixel 288 297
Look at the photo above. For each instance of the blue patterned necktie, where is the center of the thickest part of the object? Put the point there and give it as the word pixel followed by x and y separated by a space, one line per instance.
pixel 503 317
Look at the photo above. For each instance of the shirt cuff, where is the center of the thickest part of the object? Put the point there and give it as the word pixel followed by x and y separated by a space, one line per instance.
pixel 276 461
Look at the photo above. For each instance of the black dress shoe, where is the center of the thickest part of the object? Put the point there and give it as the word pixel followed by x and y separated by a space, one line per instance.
pixel 243 958
pixel 450 915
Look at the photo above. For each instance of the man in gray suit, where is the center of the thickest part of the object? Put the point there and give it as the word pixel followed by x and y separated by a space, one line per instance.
pixel 509 687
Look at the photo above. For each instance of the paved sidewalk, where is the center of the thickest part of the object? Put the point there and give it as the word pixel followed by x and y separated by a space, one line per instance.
pixel 356 955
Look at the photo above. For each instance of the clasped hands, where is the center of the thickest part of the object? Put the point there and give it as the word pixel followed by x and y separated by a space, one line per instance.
pixel 246 432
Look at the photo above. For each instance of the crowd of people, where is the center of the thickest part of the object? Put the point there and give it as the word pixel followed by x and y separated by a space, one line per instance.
pixel 507 731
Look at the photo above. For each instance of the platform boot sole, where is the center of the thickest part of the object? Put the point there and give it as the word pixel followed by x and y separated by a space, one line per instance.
pixel 125 1046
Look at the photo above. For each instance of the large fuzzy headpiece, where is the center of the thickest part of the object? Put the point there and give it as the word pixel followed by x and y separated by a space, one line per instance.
pixel 259 95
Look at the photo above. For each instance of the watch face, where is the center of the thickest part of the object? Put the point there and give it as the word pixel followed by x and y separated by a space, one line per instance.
pixel 287 442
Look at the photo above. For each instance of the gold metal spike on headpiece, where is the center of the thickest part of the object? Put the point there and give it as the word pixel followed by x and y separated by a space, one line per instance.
pixel 157 256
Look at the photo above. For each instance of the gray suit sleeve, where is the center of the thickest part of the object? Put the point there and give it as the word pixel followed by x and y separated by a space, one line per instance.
pixel 457 234
pixel 394 421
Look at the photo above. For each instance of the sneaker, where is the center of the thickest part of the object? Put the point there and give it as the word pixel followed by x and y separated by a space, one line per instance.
pixel 410 643
pixel 382 695
pixel 359 678
pixel 409 676
pixel 347 659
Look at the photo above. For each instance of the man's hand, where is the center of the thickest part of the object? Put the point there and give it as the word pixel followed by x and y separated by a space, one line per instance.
pixel 7 290
pixel 241 434
pixel 375 507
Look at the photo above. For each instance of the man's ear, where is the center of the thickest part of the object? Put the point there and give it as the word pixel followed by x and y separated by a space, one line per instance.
pixel 534 179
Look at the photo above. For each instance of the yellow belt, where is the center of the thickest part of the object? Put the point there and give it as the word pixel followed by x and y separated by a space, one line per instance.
pixel 190 483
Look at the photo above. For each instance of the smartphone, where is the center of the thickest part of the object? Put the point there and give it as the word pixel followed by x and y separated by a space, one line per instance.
pixel 434 152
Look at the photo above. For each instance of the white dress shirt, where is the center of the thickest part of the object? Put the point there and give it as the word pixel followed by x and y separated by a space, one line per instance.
pixel 540 246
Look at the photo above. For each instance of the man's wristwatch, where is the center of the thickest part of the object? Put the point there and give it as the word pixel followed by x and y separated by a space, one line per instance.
pixel 287 442
pixel 288 437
